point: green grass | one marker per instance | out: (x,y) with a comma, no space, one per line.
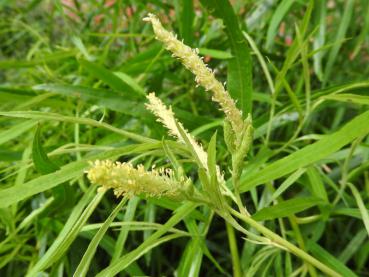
(73,82)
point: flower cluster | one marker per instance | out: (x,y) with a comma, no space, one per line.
(127,180)
(124,179)
(203,75)
(166,117)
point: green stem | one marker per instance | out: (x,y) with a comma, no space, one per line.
(236,184)
(308,219)
(301,243)
(286,244)
(234,251)
(239,203)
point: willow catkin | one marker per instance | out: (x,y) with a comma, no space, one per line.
(166,117)
(204,76)
(127,180)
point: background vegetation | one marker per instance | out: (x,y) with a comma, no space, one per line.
(74,75)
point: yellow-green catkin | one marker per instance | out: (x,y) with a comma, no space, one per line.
(127,180)
(166,117)
(204,76)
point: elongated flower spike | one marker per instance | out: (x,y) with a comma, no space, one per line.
(124,179)
(203,75)
(166,117)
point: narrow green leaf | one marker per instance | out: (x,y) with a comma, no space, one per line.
(286,208)
(186,18)
(364,31)
(150,242)
(351,212)
(103,98)
(71,119)
(212,157)
(325,257)
(276,122)
(9,156)
(131,82)
(84,264)
(192,256)
(17,193)
(40,159)
(294,50)
(319,150)
(72,227)
(316,183)
(16,130)
(54,57)
(107,77)
(278,16)
(72,170)
(77,41)
(191,259)
(353,246)
(344,23)
(142,61)
(216,54)
(319,38)
(348,98)
(261,61)
(190,146)
(122,104)
(123,234)
(362,208)
(213,191)
(287,183)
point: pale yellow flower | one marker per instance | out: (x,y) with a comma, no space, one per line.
(203,75)
(124,179)
(166,117)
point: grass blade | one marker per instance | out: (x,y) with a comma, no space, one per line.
(70,171)
(261,61)
(71,119)
(287,208)
(278,16)
(287,183)
(348,98)
(69,232)
(16,130)
(341,33)
(84,265)
(362,208)
(324,256)
(128,216)
(319,39)
(150,242)
(55,57)
(329,144)
(185,20)
(354,246)
(40,159)
(108,77)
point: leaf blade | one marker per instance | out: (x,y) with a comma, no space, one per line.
(329,144)
(286,208)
